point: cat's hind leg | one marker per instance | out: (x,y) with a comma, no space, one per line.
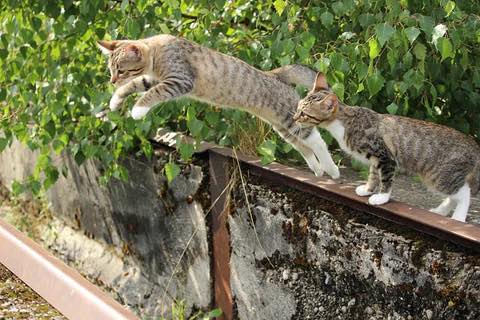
(445,207)
(462,198)
(386,171)
(316,143)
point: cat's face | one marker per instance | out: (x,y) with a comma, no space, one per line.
(126,60)
(318,106)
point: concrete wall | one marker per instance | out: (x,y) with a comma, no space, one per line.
(293,256)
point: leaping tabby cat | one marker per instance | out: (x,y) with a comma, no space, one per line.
(167,67)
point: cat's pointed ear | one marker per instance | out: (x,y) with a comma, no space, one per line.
(331,101)
(320,83)
(133,52)
(107,47)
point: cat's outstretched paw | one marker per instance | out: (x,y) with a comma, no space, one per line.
(379,198)
(139,112)
(363,191)
(115,102)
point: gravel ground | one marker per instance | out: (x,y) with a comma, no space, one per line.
(18,301)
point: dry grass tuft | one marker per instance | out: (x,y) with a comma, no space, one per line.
(250,135)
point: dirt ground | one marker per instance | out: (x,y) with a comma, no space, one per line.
(18,301)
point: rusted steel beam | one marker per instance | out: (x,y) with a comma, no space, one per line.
(219,176)
(467,235)
(64,288)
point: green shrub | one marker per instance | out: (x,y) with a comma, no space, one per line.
(408,57)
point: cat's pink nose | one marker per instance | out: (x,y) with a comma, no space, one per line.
(113,79)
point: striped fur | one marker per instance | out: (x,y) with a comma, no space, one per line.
(167,67)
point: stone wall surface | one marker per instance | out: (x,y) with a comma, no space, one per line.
(293,256)
(310,259)
(128,236)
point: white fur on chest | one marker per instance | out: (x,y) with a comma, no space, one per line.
(337,130)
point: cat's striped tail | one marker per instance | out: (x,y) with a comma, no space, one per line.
(295,74)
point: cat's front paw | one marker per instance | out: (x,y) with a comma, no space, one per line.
(318,172)
(334,173)
(363,191)
(379,198)
(115,102)
(138,112)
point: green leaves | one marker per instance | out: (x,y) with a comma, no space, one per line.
(213,314)
(171,171)
(53,77)
(384,32)
(327,19)
(374,48)
(446,48)
(195,126)
(375,83)
(426,24)
(392,108)
(366,19)
(339,90)
(449,8)
(338,8)
(133,28)
(412,33)
(267,151)
(279,6)
(420,51)
(185,149)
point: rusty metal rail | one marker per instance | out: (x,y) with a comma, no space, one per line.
(64,288)
(464,234)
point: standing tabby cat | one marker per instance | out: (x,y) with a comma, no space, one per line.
(167,67)
(446,160)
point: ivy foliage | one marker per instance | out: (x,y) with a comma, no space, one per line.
(406,57)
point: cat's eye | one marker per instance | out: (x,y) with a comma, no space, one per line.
(120,72)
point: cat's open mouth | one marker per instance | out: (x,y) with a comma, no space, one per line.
(306,119)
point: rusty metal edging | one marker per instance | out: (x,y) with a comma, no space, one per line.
(467,235)
(64,288)
(219,172)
